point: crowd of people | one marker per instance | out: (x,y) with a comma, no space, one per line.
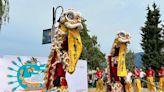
(137,76)
(133,82)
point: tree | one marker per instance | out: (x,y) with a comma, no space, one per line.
(130,60)
(162,51)
(152,39)
(91,49)
(4,10)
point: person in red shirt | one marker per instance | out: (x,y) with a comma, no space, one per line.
(161,79)
(136,73)
(99,82)
(98,73)
(150,74)
(137,81)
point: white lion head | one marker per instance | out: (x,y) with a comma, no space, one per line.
(123,37)
(71,19)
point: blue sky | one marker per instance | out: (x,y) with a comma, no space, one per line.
(23,34)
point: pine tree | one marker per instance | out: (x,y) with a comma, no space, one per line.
(162,42)
(91,51)
(152,39)
(130,60)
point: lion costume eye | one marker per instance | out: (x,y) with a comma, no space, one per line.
(122,34)
(70,16)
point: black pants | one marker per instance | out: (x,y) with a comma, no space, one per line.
(123,83)
(57,82)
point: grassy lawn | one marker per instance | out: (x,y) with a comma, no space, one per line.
(94,89)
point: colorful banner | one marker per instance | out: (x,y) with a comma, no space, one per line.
(21,73)
(26,73)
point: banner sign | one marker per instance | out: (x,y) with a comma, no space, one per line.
(26,73)
(46,36)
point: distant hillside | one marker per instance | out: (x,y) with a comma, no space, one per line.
(138,61)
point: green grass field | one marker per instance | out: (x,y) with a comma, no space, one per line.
(104,90)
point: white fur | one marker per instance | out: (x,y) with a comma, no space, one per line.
(72,26)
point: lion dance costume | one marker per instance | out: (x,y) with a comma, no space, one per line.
(65,51)
(116,61)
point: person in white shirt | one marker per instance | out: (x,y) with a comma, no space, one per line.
(142,76)
(128,82)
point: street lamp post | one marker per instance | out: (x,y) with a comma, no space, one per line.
(48,33)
